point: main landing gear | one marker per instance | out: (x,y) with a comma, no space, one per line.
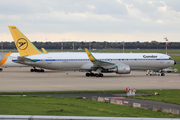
(36,70)
(94,74)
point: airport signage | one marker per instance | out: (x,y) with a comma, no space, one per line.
(130,92)
(134,90)
(128,89)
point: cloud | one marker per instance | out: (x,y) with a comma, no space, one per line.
(162,8)
(91,7)
(110,17)
(159,21)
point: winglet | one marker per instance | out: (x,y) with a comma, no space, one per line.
(23,45)
(91,57)
(44,50)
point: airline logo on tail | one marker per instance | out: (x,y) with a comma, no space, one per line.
(22,44)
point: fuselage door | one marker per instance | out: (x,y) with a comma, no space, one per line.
(49,60)
(161,59)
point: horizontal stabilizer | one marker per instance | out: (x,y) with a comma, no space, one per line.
(23,60)
(44,50)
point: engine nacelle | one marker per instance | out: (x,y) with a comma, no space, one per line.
(122,69)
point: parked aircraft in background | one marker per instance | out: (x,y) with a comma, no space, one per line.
(120,63)
(6,59)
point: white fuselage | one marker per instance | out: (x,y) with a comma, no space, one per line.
(75,60)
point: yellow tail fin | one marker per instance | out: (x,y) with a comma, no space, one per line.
(23,45)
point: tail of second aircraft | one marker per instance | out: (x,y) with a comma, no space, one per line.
(24,46)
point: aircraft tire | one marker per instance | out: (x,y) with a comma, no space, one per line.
(162,74)
(32,70)
(87,74)
(42,70)
(92,74)
(97,75)
(100,75)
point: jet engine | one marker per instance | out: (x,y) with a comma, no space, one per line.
(122,69)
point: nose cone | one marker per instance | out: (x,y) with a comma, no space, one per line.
(174,62)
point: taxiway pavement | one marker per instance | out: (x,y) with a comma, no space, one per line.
(20,79)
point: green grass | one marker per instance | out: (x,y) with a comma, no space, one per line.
(175,94)
(83,107)
(167,96)
(71,107)
(62,92)
(175,56)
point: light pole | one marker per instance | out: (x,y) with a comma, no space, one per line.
(89,45)
(73,45)
(2,46)
(123,46)
(62,46)
(166,44)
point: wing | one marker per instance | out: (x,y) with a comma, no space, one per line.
(98,63)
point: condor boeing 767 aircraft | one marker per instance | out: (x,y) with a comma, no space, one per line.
(120,63)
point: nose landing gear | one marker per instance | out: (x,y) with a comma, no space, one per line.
(153,72)
(162,74)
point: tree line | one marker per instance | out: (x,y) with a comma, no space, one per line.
(98,45)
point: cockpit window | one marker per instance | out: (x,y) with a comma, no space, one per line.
(170,58)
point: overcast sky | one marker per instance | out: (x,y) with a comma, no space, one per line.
(92,20)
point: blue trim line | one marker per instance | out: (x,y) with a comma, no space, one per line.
(97,59)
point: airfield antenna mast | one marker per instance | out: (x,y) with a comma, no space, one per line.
(90,46)
(123,46)
(166,44)
(2,46)
(62,45)
(73,45)
(46,39)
